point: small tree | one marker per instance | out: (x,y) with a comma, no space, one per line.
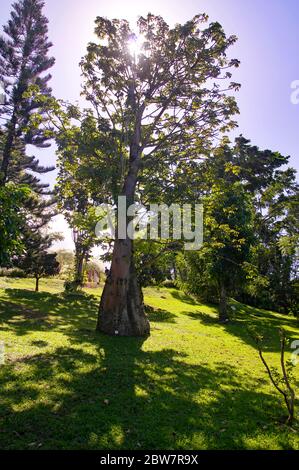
(37,261)
(281,381)
(66,262)
(218,267)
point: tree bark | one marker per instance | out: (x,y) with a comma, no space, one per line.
(223,313)
(79,260)
(36,284)
(121,311)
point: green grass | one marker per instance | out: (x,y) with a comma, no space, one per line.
(193,384)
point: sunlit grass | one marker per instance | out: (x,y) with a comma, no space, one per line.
(193,384)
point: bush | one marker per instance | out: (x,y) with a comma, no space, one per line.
(12,272)
(70,286)
(171,284)
(294,310)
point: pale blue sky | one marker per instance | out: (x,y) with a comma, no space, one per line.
(268,48)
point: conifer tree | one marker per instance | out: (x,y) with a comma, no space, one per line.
(37,261)
(24,62)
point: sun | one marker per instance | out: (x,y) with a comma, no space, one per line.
(135,44)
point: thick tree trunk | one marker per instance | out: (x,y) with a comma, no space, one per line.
(223,313)
(121,311)
(36,284)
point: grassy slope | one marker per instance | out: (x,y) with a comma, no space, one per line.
(192,385)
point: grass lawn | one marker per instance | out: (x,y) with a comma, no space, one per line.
(193,384)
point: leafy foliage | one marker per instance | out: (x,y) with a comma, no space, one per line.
(37,261)
(11,221)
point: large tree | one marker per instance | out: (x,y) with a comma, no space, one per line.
(274,192)
(165,101)
(24,62)
(264,276)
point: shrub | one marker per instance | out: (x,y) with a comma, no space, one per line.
(170,284)
(12,272)
(70,286)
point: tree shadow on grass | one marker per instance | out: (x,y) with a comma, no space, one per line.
(245,320)
(39,344)
(122,396)
(203,317)
(159,315)
(112,393)
(28,311)
(187,299)
(264,316)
